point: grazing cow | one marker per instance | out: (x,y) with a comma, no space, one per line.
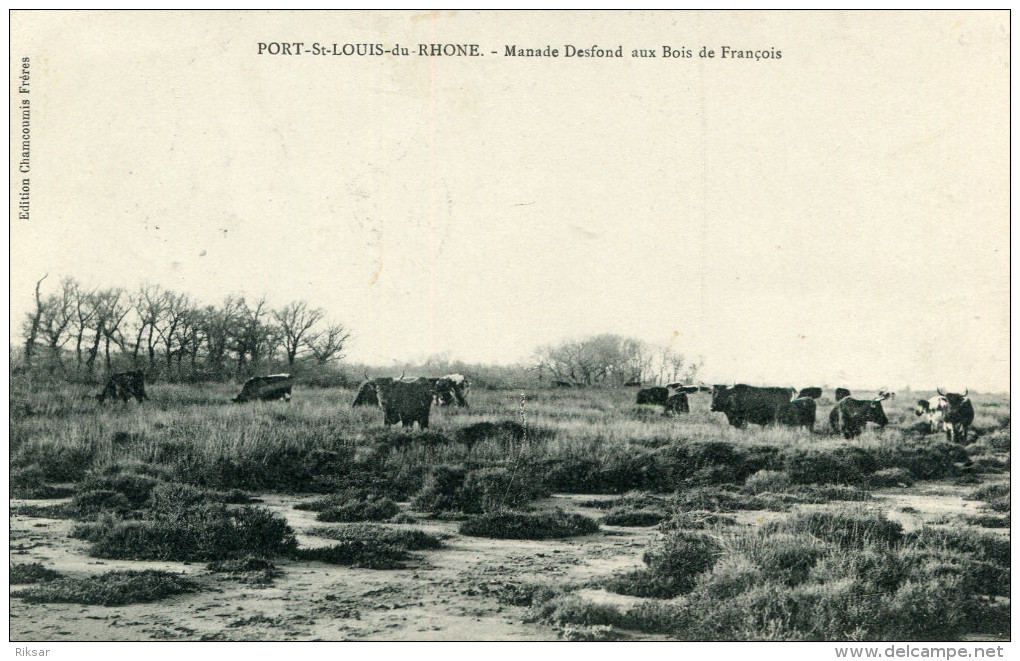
(842,393)
(933,411)
(677,403)
(124,386)
(562,384)
(406,402)
(799,412)
(656,395)
(850,416)
(959,414)
(742,403)
(265,388)
(813,393)
(633,383)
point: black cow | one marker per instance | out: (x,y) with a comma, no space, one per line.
(842,393)
(265,388)
(562,384)
(813,393)
(366,395)
(656,395)
(850,416)
(406,402)
(959,414)
(799,412)
(743,404)
(677,403)
(124,386)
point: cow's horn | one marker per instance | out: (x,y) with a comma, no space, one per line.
(367,377)
(939,391)
(965,391)
(402,375)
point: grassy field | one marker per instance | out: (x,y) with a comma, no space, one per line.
(180,479)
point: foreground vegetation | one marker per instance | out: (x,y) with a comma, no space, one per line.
(177,479)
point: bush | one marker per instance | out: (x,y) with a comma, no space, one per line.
(114,588)
(205,533)
(365,510)
(980,545)
(31,573)
(840,465)
(519,525)
(676,560)
(450,488)
(844,529)
(891,477)
(135,488)
(696,520)
(989,492)
(410,540)
(357,553)
(767,481)
(249,570)
(30,482)
(633,518)
(783,557)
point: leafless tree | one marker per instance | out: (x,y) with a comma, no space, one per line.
(329,344)
(296,321)
(31,324)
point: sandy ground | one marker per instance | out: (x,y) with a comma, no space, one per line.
(452,596)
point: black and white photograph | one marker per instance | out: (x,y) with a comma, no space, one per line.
(683,327)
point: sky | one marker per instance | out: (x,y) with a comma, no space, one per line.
(836,216)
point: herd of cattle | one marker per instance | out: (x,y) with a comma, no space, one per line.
(409,401)
(951,413)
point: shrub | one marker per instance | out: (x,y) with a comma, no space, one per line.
(981,545)
(997,504)
(495,489)
(989,492)
(783,557)
(891,477)
(678,558)
(999,440)
(987,521)
(31,573)
(840,465)
(520,525)
(696,520)
(30,482)
(633,518)
(357,553)
(844,529)
(365,510)
(208,532)
(114,588)
(441,491)
(249,570)
(135,488)
(410,540)
(767,481)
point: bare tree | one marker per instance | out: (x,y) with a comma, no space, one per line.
(57,316)
(149,305)
(31,324)
(329,344)
(295,322)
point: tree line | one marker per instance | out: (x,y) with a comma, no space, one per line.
(79,329)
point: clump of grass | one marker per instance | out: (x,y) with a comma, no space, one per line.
(357,553)
(783,557)
(982,546)
(767,481)
(989,492)
(363,510)
(633,518)
(409,540)
(591,634)
(987,521)
(456,489)
(114,588)
(522,525)
(891,477)
(847,529)
(35,572)
(696,520)
(997,504)
(249,570)
(674,564)
(180,524)
(29,482)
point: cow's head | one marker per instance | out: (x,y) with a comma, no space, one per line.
(875,412)
(923,406)
(721,395)
(953,399)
